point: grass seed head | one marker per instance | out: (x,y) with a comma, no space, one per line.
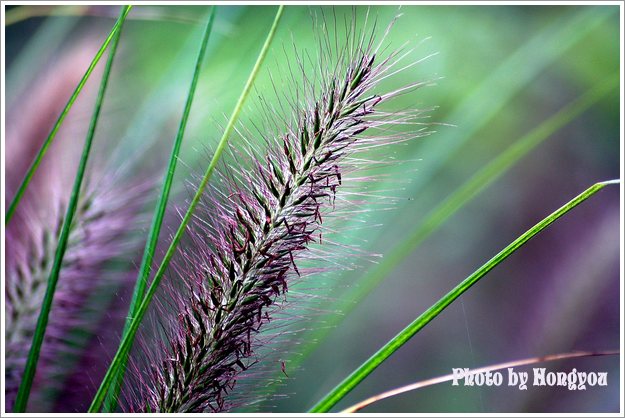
(257,225)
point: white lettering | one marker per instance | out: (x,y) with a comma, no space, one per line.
(457,375)
(603,379)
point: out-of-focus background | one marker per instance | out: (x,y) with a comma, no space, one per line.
(500,71)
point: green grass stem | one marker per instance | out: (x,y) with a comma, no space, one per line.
(126,342)
(334,396)
(23,393)
(159,213)
(44,148)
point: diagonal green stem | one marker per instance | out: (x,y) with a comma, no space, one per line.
(33,356)
(44,148)
(407,333)
(127,340)
(159,213)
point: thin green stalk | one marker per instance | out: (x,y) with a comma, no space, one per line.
(407,333)
(126,342)
(33,356)
(159,213)
(35,164)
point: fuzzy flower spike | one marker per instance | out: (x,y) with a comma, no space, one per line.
(246,250)
(99,235)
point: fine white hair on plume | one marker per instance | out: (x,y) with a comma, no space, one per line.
(260,228)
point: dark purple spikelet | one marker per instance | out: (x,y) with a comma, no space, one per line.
(245,248)
(99,235)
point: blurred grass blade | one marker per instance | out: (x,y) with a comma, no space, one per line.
(526,63)
(22,13)
(475,185)
(449,377)
(39,49)
(159,213)
(126,342)
(437,217)
(165,98)
(33,167)
(477,108)
(407,333)
(33,356)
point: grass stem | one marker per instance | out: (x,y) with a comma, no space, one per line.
(354,379)
(159,213)
(44,148)
(23,393)
(127,340)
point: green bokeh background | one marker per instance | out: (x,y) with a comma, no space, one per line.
(500,71)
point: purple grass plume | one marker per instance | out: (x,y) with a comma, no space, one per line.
(102,240)
(99,236)
(256,225)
